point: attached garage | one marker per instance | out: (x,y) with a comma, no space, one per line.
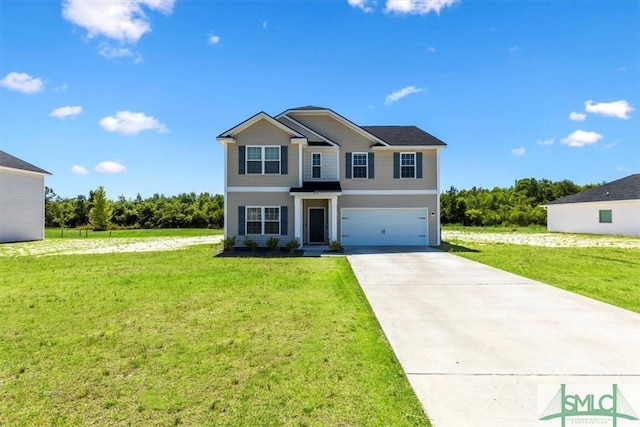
(384,226)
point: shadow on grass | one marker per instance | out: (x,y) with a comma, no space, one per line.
(259,253)
(450,247)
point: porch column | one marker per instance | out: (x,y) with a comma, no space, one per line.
(333,223)
(297,218)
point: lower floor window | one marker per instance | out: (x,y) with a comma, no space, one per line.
(263,220)
(605,216)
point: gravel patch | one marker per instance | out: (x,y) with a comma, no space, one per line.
(553,240)
(102,246)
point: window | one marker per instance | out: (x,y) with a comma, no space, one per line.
(316,165)
(263,220)
(359,163)
(263,160)
(605,217)
(407,165)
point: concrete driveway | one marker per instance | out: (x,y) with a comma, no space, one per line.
(483,347)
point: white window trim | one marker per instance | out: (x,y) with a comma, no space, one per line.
(366,165)
(316,166)
(262,220)
(415,166)
(262,159)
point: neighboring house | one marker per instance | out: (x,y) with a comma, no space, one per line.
(311,174)
(21,200)
(612,208)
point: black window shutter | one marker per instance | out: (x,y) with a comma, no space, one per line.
(241,158)
(418,165)
(347,165)
(241,220)
(284,160)
(370,164)
(396,165)
(283,221)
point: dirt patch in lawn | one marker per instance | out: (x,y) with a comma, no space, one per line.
(541,239)
(103,246)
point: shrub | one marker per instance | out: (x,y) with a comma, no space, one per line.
(229,243)
(250,243)
(335,246)
(293,245)
(273,243)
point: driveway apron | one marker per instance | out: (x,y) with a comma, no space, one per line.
(481,346)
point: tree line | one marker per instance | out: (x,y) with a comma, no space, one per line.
(96,211)
(518,205)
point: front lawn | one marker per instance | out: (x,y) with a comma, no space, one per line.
(607,274)
(185,338)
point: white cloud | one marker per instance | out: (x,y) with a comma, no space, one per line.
(577,117)
(130,123)
(22,82)
(549,141)
(431,49)
(265,24)
(581,138)
(62,88)
(68,111)
(418,7)
(363,5)
(619,109)
(519,151)
(624,169)
(122,20)
(610,145)
(79,170)
(399,94)
(213,39)
(113,52)
(110,167)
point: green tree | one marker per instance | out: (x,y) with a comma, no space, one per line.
(100,213)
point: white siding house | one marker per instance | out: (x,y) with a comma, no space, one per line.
(612,208)
(21,200)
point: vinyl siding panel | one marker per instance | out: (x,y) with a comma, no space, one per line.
(21,206)
(401,201)
(262,133)
(584,218)
(234,200)
(329,164)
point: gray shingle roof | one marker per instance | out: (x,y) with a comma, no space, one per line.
(309,107)
(622,189)
(404,135)
(9,161)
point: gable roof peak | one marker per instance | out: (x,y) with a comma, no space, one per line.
(12,162)
(308,107)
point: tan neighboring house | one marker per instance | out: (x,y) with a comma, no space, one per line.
(311,174)
(21,200)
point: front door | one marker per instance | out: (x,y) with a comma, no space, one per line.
(316,225)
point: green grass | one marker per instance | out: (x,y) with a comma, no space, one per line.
(185,338)
(70,233)
(607,274)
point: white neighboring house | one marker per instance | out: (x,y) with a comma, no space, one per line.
(21,200)
(612,208)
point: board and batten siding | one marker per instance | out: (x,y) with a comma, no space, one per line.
(329,163)
(585,218)
(21,206)
(395,201)
(258,199)
(262,133)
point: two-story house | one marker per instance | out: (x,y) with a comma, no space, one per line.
(311,174)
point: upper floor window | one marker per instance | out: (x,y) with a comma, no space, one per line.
(407,165)
(263,160)
(316,165)
(359,165)
(605,217)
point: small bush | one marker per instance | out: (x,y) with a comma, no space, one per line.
(229,243)
(293,245)
(250,243)
(335,246)
(273,243)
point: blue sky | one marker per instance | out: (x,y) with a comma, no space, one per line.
(131,94)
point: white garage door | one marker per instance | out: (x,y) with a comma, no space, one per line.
(384,227)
